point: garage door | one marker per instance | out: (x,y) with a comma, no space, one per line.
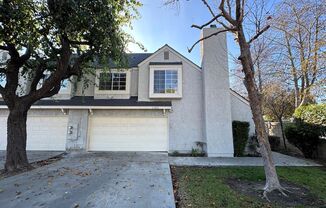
(43,133)
(128,134)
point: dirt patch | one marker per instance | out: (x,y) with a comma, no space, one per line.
(297,195)
(34,165)
(175,186)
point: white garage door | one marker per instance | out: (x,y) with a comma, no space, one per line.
(128,134)
(43,133)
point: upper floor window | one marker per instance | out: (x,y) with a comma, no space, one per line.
(112,81)
(165,81)
(115,82)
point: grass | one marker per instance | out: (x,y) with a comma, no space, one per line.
(205,187)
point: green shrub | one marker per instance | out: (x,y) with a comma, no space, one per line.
(275,142)
(304,136)
(240,136)
(313,114)
(196,152)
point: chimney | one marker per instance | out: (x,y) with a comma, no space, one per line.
(217,101)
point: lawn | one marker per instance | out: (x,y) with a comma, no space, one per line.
(210,187)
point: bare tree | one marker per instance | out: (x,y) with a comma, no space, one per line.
(302,28)
(231,16)
(278,104)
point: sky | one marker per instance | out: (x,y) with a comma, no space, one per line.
(159,25)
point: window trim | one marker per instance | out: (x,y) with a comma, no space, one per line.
(112,92)
(153,68)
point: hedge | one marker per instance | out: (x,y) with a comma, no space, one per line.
(313,114)
(304,136)
(240,137)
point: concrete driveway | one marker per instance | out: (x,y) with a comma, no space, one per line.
(109,179)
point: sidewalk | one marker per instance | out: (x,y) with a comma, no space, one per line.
(279,159)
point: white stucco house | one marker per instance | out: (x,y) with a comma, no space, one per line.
(161,102)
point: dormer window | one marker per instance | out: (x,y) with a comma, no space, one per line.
(165,81)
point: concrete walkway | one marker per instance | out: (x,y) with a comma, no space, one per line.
(279,159)
(110,179)
(33,156)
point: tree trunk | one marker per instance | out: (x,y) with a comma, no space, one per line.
(16,158)
(272,181)
(282,131)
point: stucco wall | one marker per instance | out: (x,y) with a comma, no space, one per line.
(134,82)
(241,112)
(77,130)
(186,119)
(217,104)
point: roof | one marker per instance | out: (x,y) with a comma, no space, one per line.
(176,52)
(133,59)
(239,96)
(90,101)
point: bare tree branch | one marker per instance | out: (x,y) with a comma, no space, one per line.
(227,15)
(209,22)
(204,38)
(216,19)
(259,33)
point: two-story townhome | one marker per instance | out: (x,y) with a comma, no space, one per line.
(161,101)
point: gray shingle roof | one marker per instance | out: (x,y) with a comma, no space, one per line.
(133,59)
(90,101)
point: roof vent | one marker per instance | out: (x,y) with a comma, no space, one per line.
(212,26)
(166,55)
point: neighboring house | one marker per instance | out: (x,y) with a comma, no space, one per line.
(161,102)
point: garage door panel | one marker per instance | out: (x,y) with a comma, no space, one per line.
(128,134)
(43,133)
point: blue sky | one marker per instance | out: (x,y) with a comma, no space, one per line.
(159,25)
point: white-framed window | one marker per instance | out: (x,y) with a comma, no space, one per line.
(112,81)
(165,81)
